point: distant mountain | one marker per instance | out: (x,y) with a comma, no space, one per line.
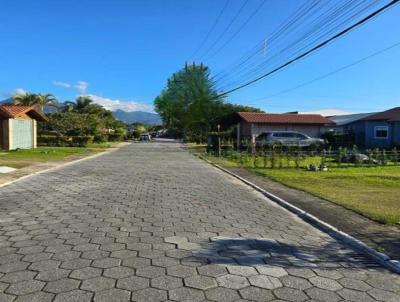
(7,101)
(137,117)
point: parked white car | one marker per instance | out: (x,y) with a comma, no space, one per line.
(287,139)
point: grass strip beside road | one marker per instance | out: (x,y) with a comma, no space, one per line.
(23,158)
(371,191)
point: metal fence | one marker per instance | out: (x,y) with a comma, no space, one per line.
(275,157)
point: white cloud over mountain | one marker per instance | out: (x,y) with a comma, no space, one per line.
(115,104)
(328,112)
(81,86)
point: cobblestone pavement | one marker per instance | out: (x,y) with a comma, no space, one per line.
(150,222)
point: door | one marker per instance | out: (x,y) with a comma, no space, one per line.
(22,134)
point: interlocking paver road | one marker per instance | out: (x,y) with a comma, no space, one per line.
(150,222)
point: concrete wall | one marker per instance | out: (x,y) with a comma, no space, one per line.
(7,134)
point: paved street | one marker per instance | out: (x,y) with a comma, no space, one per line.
(150,222)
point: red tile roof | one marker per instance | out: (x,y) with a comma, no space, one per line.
(13,111)
(286,118)
(391,115)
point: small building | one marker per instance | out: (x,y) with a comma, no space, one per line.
(372,130)
(18,126)
(252,124)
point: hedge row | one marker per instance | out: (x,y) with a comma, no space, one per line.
(64,141)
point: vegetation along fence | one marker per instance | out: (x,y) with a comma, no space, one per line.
(276,157)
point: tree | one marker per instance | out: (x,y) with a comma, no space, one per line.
(84,118)
(186,104)
(36,100)
(189,105)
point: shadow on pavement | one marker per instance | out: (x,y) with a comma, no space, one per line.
(254,252)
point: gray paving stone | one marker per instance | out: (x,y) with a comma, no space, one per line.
(386,296)
(135,229)
(264,281)
(74,296)
(18,276)
(322,295)
(290,294)
(52,275)
(222,294)
(62,285)
(232,281)
(25,287)
(354,295)
(6,298)
(118,272)
(149,295)
(36,297)
(166,282)
(325,283)
(244,271)
(295,282)
(185,294)
(98,284)
(133,283)
(86,273)
(257,294)
(200,282)
(114,294)
(181,271)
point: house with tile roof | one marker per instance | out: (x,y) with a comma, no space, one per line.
(371,130)
(251,124)
(18,126)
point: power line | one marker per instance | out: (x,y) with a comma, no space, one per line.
(226,28)
(325,20)
(332,72)
(304,9)
(315,48)
(258,8)
(211,29)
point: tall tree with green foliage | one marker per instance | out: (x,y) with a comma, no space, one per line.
(37,100)
(190,106)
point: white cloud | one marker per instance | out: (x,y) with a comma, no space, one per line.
(19,91)
(14,92)
(114,104)
(81,86)
(62,84)
(328,112)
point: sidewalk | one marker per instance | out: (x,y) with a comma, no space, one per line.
(44,166)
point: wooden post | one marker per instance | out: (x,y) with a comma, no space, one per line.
(219,141)
(238,136)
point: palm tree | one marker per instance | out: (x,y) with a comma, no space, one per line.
(37,100)
(82,102)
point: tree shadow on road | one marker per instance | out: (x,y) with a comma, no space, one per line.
(256,252)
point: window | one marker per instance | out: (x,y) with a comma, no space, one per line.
(381,132)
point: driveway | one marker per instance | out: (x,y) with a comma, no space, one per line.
(150,222)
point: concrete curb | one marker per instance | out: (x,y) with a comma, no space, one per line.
(381,258)
(62,165)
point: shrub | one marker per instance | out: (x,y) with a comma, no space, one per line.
(64,141)
(53,141)
(115,137)
(81,141)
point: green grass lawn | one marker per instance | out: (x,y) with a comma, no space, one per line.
(22,158)
(371,191)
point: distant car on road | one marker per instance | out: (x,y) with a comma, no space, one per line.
(145,137)
(287,139)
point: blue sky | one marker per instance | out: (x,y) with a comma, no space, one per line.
(121,52)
